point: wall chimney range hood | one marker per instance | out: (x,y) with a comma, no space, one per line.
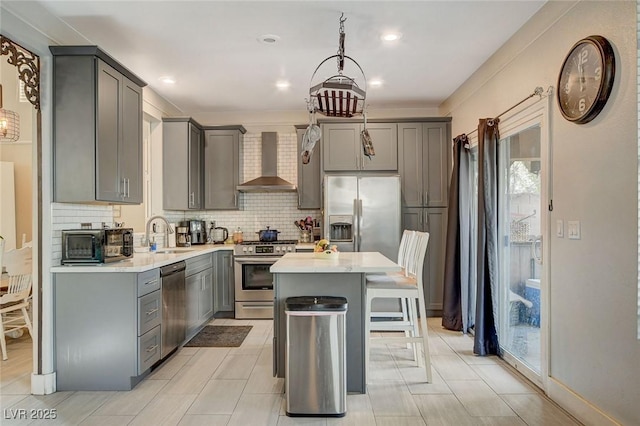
(269,181)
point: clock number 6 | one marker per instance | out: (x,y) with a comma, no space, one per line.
(582,105)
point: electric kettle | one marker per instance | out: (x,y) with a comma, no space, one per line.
(220,235)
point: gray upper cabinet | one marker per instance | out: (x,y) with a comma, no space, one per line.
(424,155)
(97,128)
(342,147)
(182,166)
(222,167)
(309,177)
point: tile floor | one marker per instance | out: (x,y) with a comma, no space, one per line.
(234,386)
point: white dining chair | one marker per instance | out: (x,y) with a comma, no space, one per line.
(15,302)
(408,286)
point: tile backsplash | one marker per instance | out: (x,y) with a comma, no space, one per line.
(278,210)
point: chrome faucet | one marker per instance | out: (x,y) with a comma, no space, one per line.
(167,230)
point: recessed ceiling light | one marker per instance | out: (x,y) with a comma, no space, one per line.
(268,38)
(282,84)
(391,36)
(375,83)
(168,80)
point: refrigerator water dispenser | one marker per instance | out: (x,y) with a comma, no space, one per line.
(341,228)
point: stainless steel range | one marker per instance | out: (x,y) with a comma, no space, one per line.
(253,281)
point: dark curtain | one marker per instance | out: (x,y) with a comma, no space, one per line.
(486,337)
(456,269)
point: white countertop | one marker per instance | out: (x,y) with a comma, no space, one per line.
(145,261)
(360,262)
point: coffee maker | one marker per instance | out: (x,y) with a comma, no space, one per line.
(183,236)
(197,230)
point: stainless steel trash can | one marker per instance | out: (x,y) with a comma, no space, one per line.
(315,372)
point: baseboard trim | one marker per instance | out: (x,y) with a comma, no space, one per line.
(43,384)
(577,406)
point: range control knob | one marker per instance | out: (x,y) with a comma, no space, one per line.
(250,249)
(244,249)
(277,249)
(289,248)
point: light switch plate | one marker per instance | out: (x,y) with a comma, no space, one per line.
(573,229)
(560,228)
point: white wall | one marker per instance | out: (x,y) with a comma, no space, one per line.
(594,350)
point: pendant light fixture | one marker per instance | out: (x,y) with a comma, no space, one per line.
(9,123)
(338,95)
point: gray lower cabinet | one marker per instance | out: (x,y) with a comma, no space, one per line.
(97,128)
(424,156)
(433,221)
(182,164)
(199,292)
(223,283)
(309,176)
(222,167)
(106,329)
(342,147)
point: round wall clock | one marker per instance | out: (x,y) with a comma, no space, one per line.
(586,79)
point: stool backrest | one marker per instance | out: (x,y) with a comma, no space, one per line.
(403,250)
(416,254)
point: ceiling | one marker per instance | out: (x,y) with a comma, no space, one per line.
(212,48)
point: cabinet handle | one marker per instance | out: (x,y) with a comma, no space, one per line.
(235,199)
(152,348)
(128,188)
(151,312)
(192,198)
(426,197)
(150,282)
(123,194)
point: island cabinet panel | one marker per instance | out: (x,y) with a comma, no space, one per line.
(107,329)
(433,221)
(199,293)
(309,177)
(342,147)
(182,164)
(348,285)
(221,168)
(97,127)
(224,294)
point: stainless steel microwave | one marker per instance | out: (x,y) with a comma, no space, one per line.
(89,246)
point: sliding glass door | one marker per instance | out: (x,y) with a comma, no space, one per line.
(522,235)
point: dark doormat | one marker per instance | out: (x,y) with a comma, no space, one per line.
(220,336)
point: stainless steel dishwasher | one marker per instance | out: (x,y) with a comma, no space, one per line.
(174,324)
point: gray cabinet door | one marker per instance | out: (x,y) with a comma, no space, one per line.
(342,147)
(436,149)
(221,169)
(196,149)
(433,221)
(192,287)
(109,187)
(309,178)
(182,164)
(130,148)
(410,163)
(384,137)
(223,283)
(205,299)
(424,163)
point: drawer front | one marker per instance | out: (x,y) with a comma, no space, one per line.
(198,264)
(148,349)
(148,281)
(149,311)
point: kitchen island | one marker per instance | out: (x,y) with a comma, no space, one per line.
(302,274)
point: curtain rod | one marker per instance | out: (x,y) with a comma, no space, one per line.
(537,92)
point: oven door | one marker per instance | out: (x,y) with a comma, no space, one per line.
(253,281)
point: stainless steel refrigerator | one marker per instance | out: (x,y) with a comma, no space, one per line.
(362,213)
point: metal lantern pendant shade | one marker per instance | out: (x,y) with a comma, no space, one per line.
(9,123)
(338,95)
